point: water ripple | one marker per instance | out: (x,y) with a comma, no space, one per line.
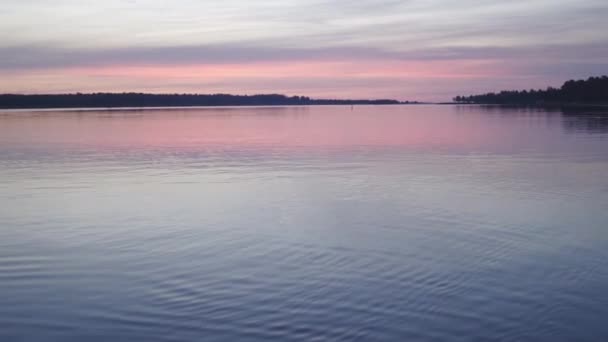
(325,226)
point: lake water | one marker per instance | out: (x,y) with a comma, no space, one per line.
(370,223)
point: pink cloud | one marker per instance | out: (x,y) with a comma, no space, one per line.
(342,78)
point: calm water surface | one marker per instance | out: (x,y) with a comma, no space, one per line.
(396,223)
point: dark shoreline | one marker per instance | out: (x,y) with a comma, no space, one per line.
(530,105)
(593,90)
(143,100)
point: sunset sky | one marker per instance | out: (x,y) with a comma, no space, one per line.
(408,49)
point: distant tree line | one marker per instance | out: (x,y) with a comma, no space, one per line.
(591,90)
(103,100)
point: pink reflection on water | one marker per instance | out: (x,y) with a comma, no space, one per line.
(288,127)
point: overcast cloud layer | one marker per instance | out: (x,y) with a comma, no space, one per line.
(426,50)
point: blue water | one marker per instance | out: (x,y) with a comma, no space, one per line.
(396,223)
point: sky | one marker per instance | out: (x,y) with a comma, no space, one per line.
(427,50)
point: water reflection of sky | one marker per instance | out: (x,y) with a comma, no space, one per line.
(306,223)
(464,128)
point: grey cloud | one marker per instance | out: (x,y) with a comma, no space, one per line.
(31,57)
(44,57)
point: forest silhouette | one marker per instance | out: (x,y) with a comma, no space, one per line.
(103,100)
(593,90)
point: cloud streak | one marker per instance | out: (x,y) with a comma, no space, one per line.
(27,57)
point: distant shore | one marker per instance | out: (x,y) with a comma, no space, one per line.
(538,105)
(592,91)
(142,100)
